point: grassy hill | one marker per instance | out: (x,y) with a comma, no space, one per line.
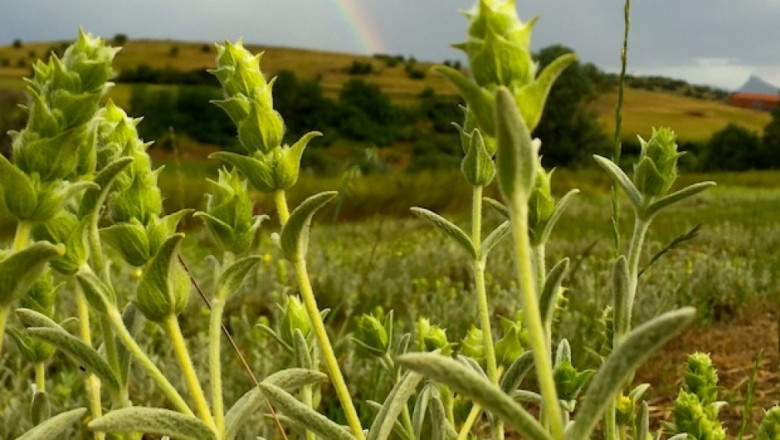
(693,119)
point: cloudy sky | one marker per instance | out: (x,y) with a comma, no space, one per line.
(713,42)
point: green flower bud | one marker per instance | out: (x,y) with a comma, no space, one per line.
(238,71)
(569,381)
(117,136)
(262,129)
(269,172)
(59,141)
(432,337)
(65,228)
(139,198)
(770,425)
(228,214)
(294,317)
(130,240)
(541,203)
(509,348)
(372,333)
(164,288)
(499,45)
(656,170)
(477,166)
(693,418)
(701,378)
(473,345)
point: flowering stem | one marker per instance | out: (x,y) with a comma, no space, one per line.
(536,334)
(40,376)
(329,357)
(22,235)
(3,319)
(91,383)
(215,365)
(171,325)
(143,360)
(281,206)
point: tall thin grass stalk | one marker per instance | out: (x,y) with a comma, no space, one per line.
(619,120)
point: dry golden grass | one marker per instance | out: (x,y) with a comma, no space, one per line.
(693,119)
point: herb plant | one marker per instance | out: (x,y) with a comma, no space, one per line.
(80,182)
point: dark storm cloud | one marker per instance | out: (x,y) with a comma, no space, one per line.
(717,42)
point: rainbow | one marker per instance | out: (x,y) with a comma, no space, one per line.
(361,26)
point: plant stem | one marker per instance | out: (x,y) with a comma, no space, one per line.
(329,357)
(536,334)
(22,235)
(610,422)
(3,320)
(634,252)
(281,206)
(619,121)
(40,377)
(171,325)
(465,430)
(215,364)
(92,383)
(132,346)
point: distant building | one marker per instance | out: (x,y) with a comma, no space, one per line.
(757,101)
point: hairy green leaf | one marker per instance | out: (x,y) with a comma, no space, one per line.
(468,382)
(312,420)
(288,380)
(449,228)
(230,280)
(20,270)
(394,404)
(517,371)
(295,233)
(635,348)
(54,428)
(94,198)
(674,197)
(495,237)
(516,153)
(551,289)
(79,351)
(153,421)
(556,214)
(634,196)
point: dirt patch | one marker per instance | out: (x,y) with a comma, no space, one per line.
(733,343)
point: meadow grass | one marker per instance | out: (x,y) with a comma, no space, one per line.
(694,119)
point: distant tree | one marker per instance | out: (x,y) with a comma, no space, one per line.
(173,52)
(120,39)
(12,117)
(302,105)
(360,68)
(17,44)
(569,132)
(733,148)
(771,140)
(367,114)
(439,111)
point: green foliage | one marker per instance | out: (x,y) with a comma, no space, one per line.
(771,140)
(734,148)
(569,131)
(367,114)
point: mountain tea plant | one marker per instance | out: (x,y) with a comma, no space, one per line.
(83,191)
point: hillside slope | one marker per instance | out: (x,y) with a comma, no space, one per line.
(693,119)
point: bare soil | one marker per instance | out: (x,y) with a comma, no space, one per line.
(733,342)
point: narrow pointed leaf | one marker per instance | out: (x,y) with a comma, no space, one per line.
(99,294)
(295,233)
(134,324)
(531,98)
(312,420)
(516,155)
(20,270)
(633,194)
(637,346)
(449,228)
(40,409)
(394,404)
(31,318)
(420,409)
(495,237)
(258,173)
(230,280)
(55,427)
(95,197)
(288,380)
(287,172)
(622,297)
(556,214)
(496,206)
(675,197)
(478,99)
(79,351)
(441,427)
(552,288)
(301,350)
(153,421)
(468,382)
(517,371)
